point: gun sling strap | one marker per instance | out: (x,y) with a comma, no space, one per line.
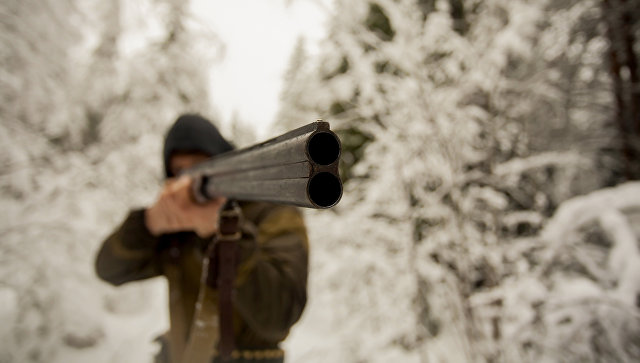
(212,328)
(229,233)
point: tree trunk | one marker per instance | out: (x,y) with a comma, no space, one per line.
(621,17)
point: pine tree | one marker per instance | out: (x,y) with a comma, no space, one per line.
(293,112)
(459,123)
(83,124)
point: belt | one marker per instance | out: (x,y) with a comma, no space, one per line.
(254,355)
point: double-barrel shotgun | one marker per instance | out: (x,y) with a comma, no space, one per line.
(299,168)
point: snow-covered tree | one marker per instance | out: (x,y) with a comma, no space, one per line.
(463,128)
(295,111)
(83,116)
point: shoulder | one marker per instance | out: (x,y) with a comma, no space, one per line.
(259,212)
(273,220)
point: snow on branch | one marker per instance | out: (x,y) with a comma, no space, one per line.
(624,258)
(606,207)
(578,211)
(517,166)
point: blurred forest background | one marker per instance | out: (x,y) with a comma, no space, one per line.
(490,147)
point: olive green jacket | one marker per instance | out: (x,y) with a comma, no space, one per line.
(270,292)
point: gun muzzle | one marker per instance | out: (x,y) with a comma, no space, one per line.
(299,167)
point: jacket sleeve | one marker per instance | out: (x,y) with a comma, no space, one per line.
(271,287)
(129,253)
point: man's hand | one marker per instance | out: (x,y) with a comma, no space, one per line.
(175,211)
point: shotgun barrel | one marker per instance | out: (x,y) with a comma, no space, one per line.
(299,168)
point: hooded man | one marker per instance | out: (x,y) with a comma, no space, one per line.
(170,237)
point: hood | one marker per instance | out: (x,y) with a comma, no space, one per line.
(193,133)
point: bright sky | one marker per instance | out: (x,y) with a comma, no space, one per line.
(259,36)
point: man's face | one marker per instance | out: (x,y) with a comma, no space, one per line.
(184,160)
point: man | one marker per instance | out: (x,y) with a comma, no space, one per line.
(170,237)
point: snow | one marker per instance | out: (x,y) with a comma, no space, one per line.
(624,258)
(578,211)
(468,232)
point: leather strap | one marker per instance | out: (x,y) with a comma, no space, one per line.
(179,330)
(212,327)
(229,234)
(206,325)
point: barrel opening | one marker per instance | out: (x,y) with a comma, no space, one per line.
(325,190)
(324,148)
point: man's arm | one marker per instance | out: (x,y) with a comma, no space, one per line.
(129,253)
(271,287)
